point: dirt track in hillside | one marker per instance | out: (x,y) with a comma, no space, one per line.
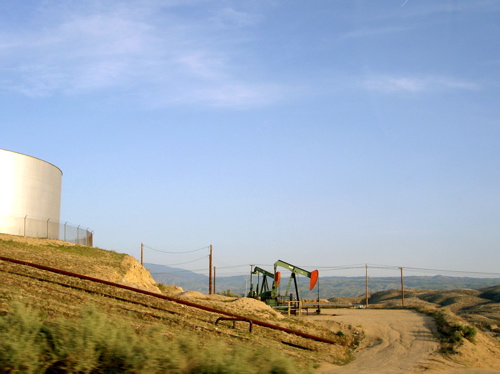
(396,342)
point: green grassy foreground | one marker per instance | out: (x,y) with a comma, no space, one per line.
(96,343)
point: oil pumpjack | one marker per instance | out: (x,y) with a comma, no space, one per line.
(270,295)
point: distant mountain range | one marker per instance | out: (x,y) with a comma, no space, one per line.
(328,286)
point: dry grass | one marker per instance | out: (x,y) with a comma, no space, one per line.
(66,256)
(481,308)
(60,296)
(89,261)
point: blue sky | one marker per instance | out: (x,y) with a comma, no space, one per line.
(322,133)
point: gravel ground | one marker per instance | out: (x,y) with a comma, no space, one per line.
(402,341)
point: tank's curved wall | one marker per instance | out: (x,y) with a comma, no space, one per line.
(30,188)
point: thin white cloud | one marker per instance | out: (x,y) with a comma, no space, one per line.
(423,9)
(233,17)
(412,84)
(241,95)
(129,48)
(201,64)
(373,31)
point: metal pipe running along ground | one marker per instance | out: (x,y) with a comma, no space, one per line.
(159,296)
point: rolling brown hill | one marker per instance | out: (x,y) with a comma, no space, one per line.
(478,307)
(57,295)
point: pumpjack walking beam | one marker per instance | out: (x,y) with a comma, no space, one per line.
(313,275)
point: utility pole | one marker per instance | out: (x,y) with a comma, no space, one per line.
(402,288)
(142,254)
(215,277)
(366,287)
(210,271)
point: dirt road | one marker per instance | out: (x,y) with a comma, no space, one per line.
(397,341)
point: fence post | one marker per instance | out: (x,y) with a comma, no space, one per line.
(65,230)
(402,288)
(78,234)
(26,216)
(48,228)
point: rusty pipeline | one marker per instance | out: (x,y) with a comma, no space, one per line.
(164,297)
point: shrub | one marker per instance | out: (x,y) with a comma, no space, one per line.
(95,343)
(91,343)
(229,293)
(168,289)
(451,334)
(469,333)
(21,342)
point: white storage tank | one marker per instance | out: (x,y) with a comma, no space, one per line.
(30,196)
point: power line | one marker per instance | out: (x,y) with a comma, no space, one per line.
(343,267)
(339,267)
(194,250)
(451,271)
(392,267)
(188,262)
(204,270)
(433,270)
(231,266)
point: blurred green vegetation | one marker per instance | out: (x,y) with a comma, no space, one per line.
(97,343)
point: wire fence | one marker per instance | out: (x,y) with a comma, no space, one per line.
(46,229)
(343,280)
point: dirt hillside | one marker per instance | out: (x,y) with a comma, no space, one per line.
(56,296)
(480,308)
(402,341)
(93,262)
(388,341)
